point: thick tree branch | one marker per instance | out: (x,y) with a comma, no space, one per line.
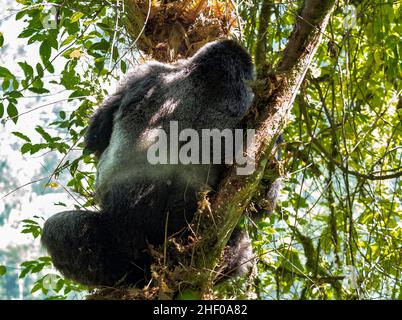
(236,191)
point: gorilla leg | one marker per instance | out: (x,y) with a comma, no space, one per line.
(84,248)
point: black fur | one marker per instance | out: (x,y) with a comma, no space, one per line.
(137,198)
(101,126)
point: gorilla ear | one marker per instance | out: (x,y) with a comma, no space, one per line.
(100,127)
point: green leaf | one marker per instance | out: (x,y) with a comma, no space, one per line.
(27,33)
(5,73)
(123,66)
(21,136)
(1,39)
(24,272)
(12,112)
(20,14)
(76,16)
(68,40)
(44,134)
(37,147)
(59,285)
(3,270)
(29,221)
(15,85)
(53,41)
(45,51)
(1,110)
(49,67)
(6,84)
(46,259)
(36,38)
(28,70)
(36,287)
(38,90)
(26,148)
(102,45)
(15,94)
(38,268)
(37,83)
(39,70)
(28,263)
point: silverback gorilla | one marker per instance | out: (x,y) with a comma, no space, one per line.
(109,247)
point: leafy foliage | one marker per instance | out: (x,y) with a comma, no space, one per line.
(337,233)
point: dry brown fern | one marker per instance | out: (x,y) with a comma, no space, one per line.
(176,29)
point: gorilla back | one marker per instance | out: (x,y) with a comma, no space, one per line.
(137,198)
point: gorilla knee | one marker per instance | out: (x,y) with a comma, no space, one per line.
(72,240)
(85,247)
(67,228)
